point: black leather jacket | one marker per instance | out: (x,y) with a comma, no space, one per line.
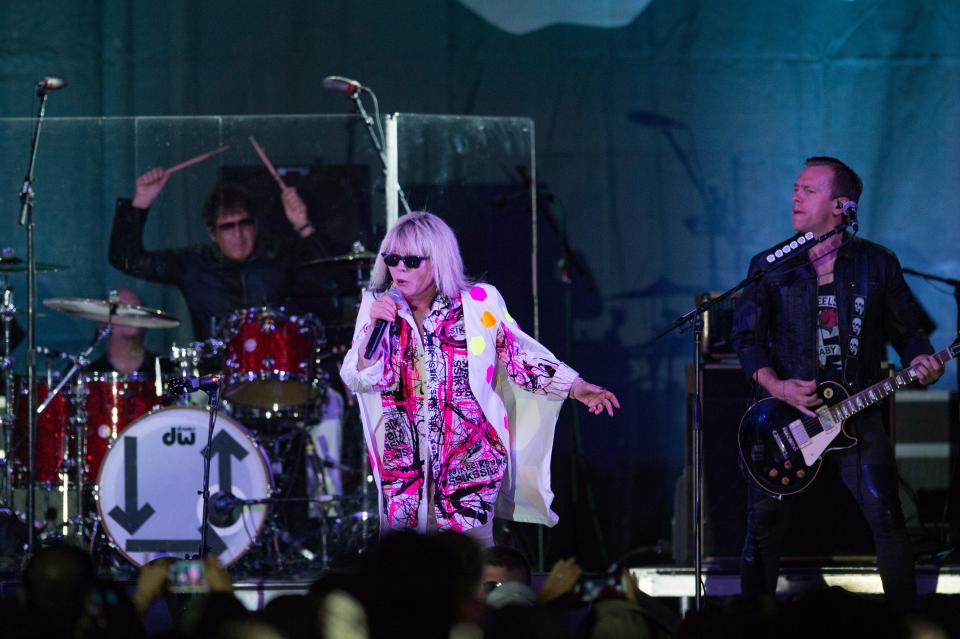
(775,322)
(213,286)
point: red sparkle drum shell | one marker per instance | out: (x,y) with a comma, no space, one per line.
(52,435)
(113,402)
(270,358)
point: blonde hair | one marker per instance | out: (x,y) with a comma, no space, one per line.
(424,234)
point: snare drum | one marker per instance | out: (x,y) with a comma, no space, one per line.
(271,358)
(113,401)
(53,436)
(150,481)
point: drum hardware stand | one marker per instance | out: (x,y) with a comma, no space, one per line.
(320,473)
(27,195)
(213,405)
(7,312)
(276,533)
(79,362)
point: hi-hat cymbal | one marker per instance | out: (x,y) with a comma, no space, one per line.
(346,258)
(16,265)
(123,315)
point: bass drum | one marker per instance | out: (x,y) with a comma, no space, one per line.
(149,484)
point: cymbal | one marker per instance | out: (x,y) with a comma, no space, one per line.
(16,265)
(346,258)
(124,314)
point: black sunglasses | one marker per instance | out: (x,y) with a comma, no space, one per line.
(410,261)
(230,226)
(490,586)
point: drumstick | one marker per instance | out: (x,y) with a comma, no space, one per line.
(267,163)
(194,160)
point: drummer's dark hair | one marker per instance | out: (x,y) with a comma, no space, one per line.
(227,196)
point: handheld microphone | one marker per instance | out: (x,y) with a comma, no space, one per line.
(381,326)
(50,83)
(190,384)
(341,84)
(850,215)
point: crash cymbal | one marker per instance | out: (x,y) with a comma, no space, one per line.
(124,314)
(16,265)
(346,258)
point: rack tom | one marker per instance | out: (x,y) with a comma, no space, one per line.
(271,358)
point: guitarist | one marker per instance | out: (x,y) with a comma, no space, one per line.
(828,318)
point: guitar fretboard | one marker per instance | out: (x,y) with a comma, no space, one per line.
(873,394)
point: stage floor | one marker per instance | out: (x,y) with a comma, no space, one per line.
(723,579)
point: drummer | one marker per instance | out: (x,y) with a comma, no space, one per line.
(126,353)
(239,269)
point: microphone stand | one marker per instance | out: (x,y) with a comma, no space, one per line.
(694,317)
(26,219)
(377,143)
(213,406)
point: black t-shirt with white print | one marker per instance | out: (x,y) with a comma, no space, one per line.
(829,357)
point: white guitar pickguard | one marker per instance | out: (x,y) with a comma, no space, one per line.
(814,446)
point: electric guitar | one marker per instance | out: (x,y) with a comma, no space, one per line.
(782,448)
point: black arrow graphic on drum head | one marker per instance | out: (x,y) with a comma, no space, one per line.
(131,517)
(224,446)
(214,542)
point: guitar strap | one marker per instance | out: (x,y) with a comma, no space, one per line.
(857,315)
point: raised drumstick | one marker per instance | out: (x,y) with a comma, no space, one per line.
(194,160)
(267,163)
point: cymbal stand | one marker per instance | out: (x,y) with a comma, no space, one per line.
(362,277)
(318,468)
(7,312)
(79,362)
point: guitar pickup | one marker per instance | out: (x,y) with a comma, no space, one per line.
(779,440)
(799,433)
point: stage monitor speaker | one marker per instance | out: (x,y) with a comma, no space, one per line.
(826,522)
(926,460)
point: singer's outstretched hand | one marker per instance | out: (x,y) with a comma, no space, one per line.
(149,186)
(596,398)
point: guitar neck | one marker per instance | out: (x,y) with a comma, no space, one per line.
(882,389)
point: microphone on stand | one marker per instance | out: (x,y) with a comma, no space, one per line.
(341,84)
(225,509)
(178,386)
(381,325)
(50,83)
(850,215)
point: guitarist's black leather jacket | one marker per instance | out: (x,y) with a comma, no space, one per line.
(775,322)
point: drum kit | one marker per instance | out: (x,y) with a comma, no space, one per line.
(122,456)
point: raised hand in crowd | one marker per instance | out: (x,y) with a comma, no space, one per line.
(561,580)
